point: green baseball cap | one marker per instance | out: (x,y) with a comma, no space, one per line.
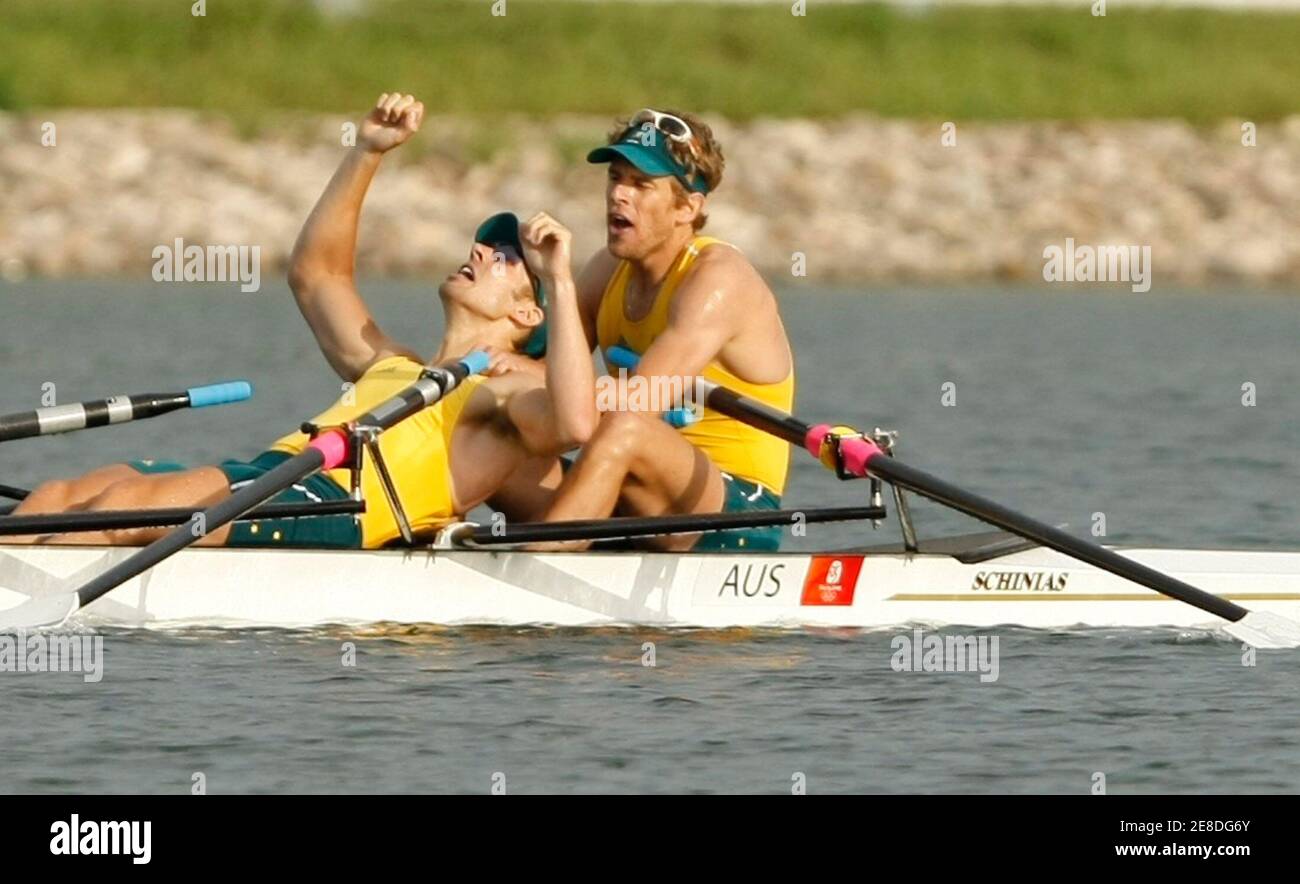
(502,229)
(647,148)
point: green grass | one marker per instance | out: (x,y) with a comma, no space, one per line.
(250,58)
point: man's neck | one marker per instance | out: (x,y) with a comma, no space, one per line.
(462,337)
(649,272)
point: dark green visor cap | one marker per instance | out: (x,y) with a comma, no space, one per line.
(502,229)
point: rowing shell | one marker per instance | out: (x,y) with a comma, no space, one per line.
(976,580)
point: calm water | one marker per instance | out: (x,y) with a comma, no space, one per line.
(1067,404)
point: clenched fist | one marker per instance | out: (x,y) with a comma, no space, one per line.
(393,120)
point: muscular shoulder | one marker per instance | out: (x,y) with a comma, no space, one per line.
(727,261)
(720,281)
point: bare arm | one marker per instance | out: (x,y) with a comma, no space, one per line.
(321,271)
(591,289)
(533,417)
(706,314)
(570,376)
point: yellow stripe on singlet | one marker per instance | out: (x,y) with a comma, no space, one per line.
(416,451)
(734,447)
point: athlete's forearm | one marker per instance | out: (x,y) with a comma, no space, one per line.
(327,244)
(570,377)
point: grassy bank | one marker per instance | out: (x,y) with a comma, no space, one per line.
(247,58)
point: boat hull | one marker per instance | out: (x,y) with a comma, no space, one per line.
(864,589)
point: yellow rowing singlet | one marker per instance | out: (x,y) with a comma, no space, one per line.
(416,451)
(734,447)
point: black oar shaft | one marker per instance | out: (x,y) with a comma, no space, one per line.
(113,520)
(115,410)
(13,493)
(796,432)
(757,414)
(84,415)
(636,526)
(1050,536)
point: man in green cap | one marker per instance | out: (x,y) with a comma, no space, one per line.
(684,305)
(440,463)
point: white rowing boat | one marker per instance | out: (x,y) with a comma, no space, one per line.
(1035,576)
(979,580)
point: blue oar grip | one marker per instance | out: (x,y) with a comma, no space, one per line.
(476,362)
(619,356)
(680,417)
(219,394)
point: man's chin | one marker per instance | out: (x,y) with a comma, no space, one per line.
(455,288)
(620,247)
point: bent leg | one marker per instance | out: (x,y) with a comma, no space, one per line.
(63,495)
(529,490)
(641,466)
(199,488)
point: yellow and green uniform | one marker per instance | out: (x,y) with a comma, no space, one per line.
(754,464)
(416,452)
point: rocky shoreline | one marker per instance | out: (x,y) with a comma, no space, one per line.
(856,199)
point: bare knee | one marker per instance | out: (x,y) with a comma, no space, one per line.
(61,495)
(48,497)
(100,478)
(135,493)
(124,495)
(619,436)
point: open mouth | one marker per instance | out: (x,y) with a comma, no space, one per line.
(619,222)
(466,271)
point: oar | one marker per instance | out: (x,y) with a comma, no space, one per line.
(626,358)
(329,449)
(468,533)
(13,493)
(839,447)
(116,410)
(113,520)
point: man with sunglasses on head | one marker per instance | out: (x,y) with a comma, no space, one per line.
(685,305)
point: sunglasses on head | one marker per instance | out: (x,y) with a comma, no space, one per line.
(674,127)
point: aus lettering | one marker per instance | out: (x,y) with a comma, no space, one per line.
(752,581)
